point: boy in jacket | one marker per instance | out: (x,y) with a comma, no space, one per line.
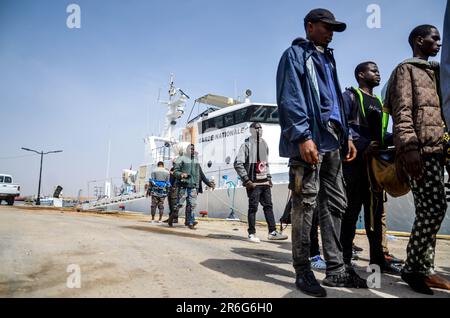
(314,135)
(413,98)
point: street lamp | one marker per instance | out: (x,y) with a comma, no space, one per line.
(89,182)
(38,200)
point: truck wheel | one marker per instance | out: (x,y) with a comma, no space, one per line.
(11,201)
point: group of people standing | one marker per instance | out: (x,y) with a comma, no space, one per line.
(328,135)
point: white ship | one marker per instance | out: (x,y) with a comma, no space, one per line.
(217,134)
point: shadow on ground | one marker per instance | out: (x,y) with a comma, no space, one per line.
(266,256)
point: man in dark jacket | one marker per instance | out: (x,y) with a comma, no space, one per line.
(252,166)
(414,101)
(365,118)
(172,195)
(189,174)
(314,135)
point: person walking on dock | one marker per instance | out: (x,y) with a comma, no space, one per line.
(251,165)
(158,188)
(188,173)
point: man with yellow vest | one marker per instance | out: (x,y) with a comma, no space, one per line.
(367,123)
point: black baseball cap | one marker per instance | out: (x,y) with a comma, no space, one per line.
(325,16)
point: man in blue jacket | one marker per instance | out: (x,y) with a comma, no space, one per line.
(314,135)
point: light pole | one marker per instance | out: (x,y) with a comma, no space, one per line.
(89,182)
(38,200)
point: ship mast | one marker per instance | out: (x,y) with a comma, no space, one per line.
(175,110)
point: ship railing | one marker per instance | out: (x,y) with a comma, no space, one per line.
(105,202)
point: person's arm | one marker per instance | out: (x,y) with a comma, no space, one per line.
(292,108)
(349,104)
(405,137)
(269,176)
(204,179)
(239,164)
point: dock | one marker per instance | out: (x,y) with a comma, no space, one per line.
(124,255)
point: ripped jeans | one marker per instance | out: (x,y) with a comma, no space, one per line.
(321,185)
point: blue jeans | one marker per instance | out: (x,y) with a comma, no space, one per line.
(190,196)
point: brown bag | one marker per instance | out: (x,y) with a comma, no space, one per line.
(385,173)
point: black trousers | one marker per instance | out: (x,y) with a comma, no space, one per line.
(359,195)
(261,194)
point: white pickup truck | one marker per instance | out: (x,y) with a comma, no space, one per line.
(8,190)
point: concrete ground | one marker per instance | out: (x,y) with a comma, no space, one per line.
(123,255)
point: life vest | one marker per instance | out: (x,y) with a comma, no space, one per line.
(384,118)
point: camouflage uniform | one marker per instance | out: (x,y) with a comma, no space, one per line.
(172,199)
(157,202)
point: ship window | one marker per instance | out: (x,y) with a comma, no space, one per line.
(239,115)
(8,180)
(272,116)
(208,125)
(218,122)
(228,160)
(259,114)
(264,114)
(209,164)
(1,178)
(228,119)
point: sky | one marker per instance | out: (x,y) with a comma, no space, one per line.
(76,89)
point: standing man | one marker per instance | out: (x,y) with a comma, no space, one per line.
(314,135)
(158,187)
(188,173)
(365,117)
(413,98)
(172,195)
(252,166)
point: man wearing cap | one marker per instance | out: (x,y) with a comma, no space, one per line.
(315,136)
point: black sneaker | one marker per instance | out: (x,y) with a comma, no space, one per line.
(355,281)
(308,284)
(191,226)
(417,283)
(347,279)
(391,268)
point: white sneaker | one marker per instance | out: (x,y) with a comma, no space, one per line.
(253,238)
(277,236)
